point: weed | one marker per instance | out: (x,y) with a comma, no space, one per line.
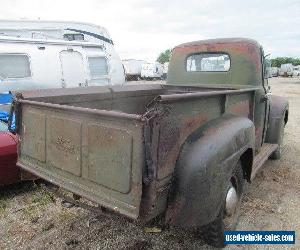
(42,197)
(3,204)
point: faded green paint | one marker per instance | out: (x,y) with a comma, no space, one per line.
(118,146)
(246,69)
(245,57)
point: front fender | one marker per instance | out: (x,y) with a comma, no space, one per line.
(204,168)
(279,108)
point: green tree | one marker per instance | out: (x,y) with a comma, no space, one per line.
(276,62)
(164,56)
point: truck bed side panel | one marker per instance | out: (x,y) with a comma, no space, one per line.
(185,116)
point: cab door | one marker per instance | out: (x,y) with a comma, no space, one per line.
(266,75)
(262,104)
(73,70)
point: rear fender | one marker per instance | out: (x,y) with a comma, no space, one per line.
(204,168)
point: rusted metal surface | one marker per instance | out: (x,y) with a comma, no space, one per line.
(185,96)
(205,163)
(279,110)
(245,56)
(77,144)
(83,110)
(266,150)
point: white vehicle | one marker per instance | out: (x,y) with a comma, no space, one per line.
(42,54)
(133,68)
(297,70)
(152,71)
(274,71)
(165,70)
(286,70)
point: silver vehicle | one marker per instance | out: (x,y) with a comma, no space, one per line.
(39,54)
(286,70)
(152,71)
(133,68)
(274,71)
(296,70)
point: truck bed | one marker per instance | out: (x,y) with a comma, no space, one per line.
(107,144)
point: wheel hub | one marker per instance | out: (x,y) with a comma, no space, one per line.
(231,201)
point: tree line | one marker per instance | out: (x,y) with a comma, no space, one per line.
(276,62)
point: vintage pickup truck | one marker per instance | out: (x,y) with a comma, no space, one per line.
(181,150)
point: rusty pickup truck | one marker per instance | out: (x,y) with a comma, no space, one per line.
(181,150)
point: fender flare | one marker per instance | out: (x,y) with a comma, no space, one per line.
(279,109)
(204,168)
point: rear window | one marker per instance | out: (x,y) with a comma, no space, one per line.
(208,62)
(74,37)
(98,66)
(14,66)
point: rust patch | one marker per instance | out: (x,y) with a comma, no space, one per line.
(169,150)
(242,108)
(174,210)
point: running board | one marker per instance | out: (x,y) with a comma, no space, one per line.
(265,151)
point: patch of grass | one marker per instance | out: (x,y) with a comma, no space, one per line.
(42,197)
(3,204)
(30,212)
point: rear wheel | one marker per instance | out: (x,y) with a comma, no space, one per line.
(227,219)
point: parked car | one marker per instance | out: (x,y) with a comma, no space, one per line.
(296,70)
(133,69)
(181,150)
(9,172)
(286,70)
(274,71)
(76,54)
(152,71)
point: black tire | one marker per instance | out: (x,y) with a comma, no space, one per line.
(276,155)
(213,233)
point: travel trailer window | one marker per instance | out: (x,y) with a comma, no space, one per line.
(208,62)
(98,66)
(14,66)
(74,37)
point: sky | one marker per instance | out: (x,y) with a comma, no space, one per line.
(141,29)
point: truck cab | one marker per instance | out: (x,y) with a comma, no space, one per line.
(233,63)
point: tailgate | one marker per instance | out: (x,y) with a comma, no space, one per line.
(96,154)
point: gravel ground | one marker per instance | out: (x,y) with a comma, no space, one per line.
(31,218)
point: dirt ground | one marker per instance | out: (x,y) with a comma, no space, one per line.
(31,218)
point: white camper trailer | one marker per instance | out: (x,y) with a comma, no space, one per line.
(152,71)
(286,70)
(133,68)
(39,54)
